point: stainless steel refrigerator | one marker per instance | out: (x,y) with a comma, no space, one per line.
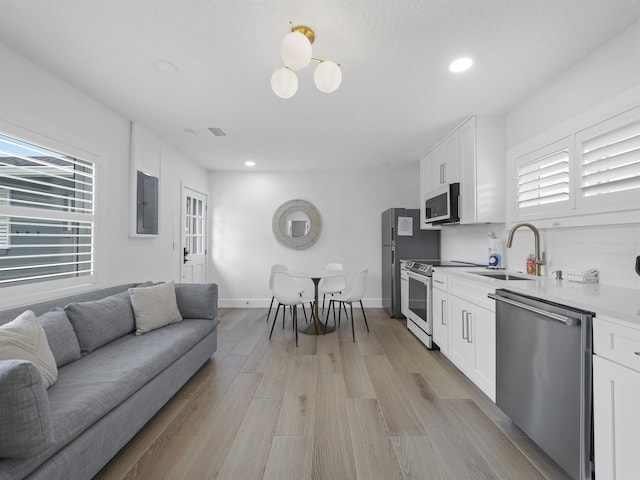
(402,239)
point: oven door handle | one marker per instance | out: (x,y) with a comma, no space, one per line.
(420,278)
(553,316)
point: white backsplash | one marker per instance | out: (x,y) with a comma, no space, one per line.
(468,242)
(610,249)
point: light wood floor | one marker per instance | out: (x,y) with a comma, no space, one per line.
(384,407)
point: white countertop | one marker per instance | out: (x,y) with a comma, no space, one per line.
(620,303)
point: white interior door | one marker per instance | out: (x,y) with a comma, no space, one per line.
(194,238)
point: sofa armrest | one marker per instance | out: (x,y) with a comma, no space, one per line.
(197,300)
(25,414)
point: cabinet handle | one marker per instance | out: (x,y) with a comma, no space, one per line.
(637,353)
(443,173)
(443,306)
(468,318)
(464,315)
(439,281)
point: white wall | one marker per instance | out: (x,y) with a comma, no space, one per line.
(609,71)
(33,100)
(468,243)
(350,204)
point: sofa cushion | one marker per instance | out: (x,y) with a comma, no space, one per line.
(99,322)
(25,428)
(60,336)
(197,300)
(24,339)
(154,307)
(97,383)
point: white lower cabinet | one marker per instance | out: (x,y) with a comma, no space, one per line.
(404,293)
(616,400)
(472,344)
(463,350)
(440,320)
(464,321)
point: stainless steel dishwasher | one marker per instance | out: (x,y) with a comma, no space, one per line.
(544,376)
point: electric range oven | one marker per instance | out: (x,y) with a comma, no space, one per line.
(420,318)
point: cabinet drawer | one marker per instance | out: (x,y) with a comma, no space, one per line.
(472,292)
(440,281)
(616,342)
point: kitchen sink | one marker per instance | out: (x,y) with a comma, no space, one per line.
(501,276)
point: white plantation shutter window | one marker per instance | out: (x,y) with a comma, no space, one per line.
(48,212)
(543,179)
(4,221)
(610,156)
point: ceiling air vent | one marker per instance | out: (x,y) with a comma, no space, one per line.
(218,132)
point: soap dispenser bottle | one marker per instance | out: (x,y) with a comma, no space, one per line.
(531,265)
(495,251)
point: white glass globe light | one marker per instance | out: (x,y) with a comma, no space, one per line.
(295,50)
(327,76)
(284,82)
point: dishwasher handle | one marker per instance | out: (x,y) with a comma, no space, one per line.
(568,321)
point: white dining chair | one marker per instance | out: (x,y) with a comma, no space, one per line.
(355,295)
(287,293)
(274,268)
(332,285)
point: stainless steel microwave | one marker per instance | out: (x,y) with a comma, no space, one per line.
(442,204)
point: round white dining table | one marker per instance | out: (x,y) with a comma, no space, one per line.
(317,327)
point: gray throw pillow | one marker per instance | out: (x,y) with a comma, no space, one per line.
(101,321)
(154,307)
(60,336)
(25,429)
(197,300)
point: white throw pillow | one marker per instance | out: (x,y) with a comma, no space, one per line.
(154,307)
(24,339)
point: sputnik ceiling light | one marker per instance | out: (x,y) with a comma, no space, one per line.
(296,54)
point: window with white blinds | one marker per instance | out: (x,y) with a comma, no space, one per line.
(610,160)
(4,221)
(47,209)
(544,180)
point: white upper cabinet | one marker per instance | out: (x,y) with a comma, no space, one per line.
(474,155)
(482,161)
(446,161)
(426,183)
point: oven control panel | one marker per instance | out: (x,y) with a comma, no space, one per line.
(417,267)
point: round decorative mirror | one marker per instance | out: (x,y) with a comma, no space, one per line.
(297,224)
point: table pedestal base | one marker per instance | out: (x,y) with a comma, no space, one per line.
(316,328)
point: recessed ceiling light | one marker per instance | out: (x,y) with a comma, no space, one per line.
(460,65)
(163,66)
(218,132)
(250,163)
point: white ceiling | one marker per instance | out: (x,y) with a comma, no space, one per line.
(397,96)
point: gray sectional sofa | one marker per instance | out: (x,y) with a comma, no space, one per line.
(110,380)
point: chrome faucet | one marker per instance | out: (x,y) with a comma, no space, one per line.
(539,261)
